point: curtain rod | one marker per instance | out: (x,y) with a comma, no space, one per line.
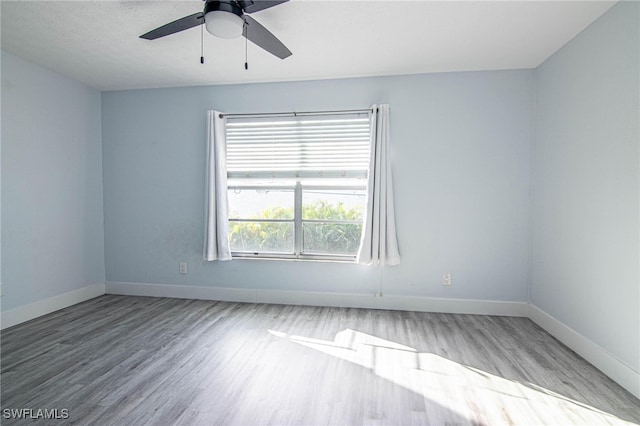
(295,114)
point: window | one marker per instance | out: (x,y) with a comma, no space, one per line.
(297,185)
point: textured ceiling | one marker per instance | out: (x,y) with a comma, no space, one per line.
(97,42)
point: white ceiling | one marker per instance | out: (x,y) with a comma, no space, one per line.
(97,42)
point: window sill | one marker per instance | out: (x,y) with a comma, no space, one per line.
(292,258)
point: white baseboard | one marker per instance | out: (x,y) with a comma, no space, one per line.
(619,371)
(350,300)
(181,292)
(34,310)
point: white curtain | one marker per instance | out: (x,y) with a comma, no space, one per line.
(379,244)
(216,240)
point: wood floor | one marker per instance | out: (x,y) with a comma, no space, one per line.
(138,360)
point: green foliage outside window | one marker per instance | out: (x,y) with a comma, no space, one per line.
(318,237)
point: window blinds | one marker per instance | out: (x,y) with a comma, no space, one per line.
(305,146)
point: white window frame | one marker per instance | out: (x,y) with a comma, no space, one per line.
(298,221)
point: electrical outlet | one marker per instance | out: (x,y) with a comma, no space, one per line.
(446,279)
(183,267)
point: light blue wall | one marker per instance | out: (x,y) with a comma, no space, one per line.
(52,213)
(585,265)
(461,156)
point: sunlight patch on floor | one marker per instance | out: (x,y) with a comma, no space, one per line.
(476,395)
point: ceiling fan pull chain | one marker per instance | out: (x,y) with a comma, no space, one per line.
(246,42)
(202,42)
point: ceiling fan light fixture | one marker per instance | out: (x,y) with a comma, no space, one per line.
(223,19)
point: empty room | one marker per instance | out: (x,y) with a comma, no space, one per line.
(313,212)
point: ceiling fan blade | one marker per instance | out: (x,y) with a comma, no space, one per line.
(262,37)
(175,26)
(250,6)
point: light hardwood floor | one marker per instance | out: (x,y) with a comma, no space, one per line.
(139,360)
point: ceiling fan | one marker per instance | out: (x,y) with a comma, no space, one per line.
(229,19)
